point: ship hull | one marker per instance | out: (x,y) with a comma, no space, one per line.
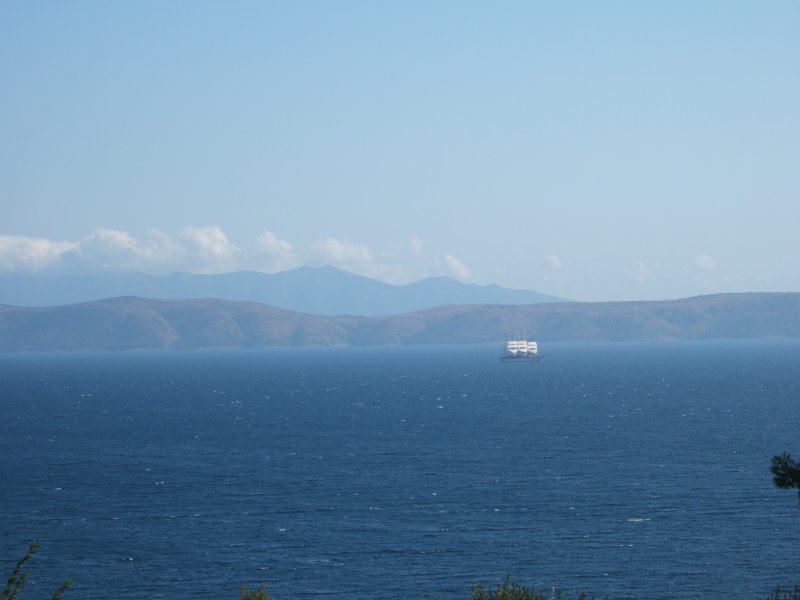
(534,358)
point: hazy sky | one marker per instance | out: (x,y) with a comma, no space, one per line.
(592,150)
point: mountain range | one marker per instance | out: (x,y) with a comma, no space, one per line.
(131,322)
(315,290)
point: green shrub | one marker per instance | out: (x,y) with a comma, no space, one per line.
(515,591)
(785,471)
(259,594)
(16,582)
(779,595)
(505,591)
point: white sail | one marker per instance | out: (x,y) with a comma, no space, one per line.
(522,349)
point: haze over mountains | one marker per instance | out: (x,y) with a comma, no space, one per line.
(327,306)
(315,290)
(128,323)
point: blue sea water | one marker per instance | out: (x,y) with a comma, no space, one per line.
(628,470)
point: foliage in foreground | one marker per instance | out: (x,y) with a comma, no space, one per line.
(780,595)
(505,591)
(259,594)
(515,591)
(16,582)
(785,471)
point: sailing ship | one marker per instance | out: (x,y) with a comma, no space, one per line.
(521,350)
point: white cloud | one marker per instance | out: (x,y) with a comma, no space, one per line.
(355,258)
(456,268)
(209,250)
(417,246)
(275,254)
(209,241)
(196,249)
(342,253)
(705,262)
(118,250)
(166,250)
(20,253)
(393,267)
(640,272)
(200,250)
(554,261)
(112,238)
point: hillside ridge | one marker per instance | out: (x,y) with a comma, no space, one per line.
(137,323)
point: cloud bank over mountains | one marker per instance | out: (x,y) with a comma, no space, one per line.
(208,250)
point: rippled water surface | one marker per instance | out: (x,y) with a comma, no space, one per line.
(633,470)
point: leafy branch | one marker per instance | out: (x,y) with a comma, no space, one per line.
(16,582)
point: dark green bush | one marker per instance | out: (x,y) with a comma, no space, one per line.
(785,471)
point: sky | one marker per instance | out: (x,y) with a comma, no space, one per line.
(589,150)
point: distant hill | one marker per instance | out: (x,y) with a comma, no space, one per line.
(129,322)
(315,290)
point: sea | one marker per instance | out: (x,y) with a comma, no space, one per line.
(627,470)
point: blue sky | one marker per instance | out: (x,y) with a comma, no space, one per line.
(615,150)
